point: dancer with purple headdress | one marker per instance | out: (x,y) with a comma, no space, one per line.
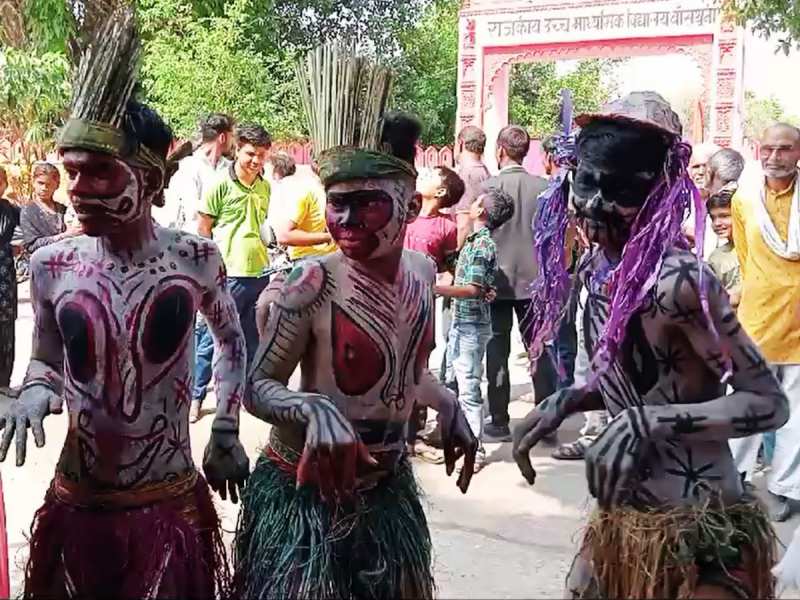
(673,518)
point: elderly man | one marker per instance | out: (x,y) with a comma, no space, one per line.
(766,232)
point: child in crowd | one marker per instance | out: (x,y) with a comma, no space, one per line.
(433,232)
(723,261)
(472,325)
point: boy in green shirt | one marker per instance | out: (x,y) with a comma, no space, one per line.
(232,213)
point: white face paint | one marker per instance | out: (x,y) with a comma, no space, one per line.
(108,194)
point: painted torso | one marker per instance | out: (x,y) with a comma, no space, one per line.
(657,365)
(368,340)
(127,332)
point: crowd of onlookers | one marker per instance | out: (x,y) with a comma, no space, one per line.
(266,214)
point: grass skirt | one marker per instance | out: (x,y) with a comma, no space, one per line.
(667,554)
(291,545)
(168,549)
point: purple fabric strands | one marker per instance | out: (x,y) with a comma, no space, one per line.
(551,289)
(657,229)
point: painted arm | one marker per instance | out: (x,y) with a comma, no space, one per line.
(225,462)
(42,389)
(332,449)
(757,403)
(457,437)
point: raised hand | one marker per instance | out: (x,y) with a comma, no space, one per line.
(332,452)
(543,420)
(612,461)
(225,464)
(457,440)
(34,403)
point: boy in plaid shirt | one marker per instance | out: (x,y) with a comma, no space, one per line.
(472,325)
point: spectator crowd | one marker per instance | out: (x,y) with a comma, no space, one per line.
(265,214)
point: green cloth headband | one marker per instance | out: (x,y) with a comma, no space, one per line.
(100,137)
(346,163)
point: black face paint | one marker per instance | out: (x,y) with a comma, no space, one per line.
(618,165)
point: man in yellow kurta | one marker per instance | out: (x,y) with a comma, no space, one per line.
(766,231)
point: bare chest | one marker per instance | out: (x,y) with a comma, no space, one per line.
(371,344)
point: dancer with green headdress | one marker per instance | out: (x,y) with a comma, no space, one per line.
(127,514)
(332,509)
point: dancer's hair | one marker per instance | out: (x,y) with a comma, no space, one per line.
(144,125)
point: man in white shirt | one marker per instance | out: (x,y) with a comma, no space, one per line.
(198,173)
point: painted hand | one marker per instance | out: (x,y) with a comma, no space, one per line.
(543,420)
(225,464)
(457,440)
(28,410)
(332,452)
(613,460)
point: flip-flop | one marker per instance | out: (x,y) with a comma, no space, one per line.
(572,451)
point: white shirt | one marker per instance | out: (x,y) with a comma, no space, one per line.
(195,178)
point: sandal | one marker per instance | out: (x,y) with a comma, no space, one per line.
(572,451)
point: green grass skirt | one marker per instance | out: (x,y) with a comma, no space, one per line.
(289,544)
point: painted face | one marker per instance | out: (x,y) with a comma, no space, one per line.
(617,167)
(780,152)
(367,217)
(721,222)
(107,194)
(45,186)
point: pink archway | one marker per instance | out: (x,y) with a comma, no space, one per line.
(496,34)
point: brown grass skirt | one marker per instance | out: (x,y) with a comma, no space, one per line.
(171,548)
(667,554)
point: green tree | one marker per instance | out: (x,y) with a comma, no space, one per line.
(534,98)
(428,71)
(192,66)
(771,17)
(34,95)
(760,113)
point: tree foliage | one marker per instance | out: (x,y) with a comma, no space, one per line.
(193,66)
(428,71)
(534,99)
(760,113)
(780,18)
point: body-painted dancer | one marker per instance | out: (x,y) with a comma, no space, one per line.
(673,518)
(127,514)
(332,509)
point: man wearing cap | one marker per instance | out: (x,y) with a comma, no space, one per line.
(673,518)
(127,514)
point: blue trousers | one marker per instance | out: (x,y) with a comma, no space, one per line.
(245,292)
